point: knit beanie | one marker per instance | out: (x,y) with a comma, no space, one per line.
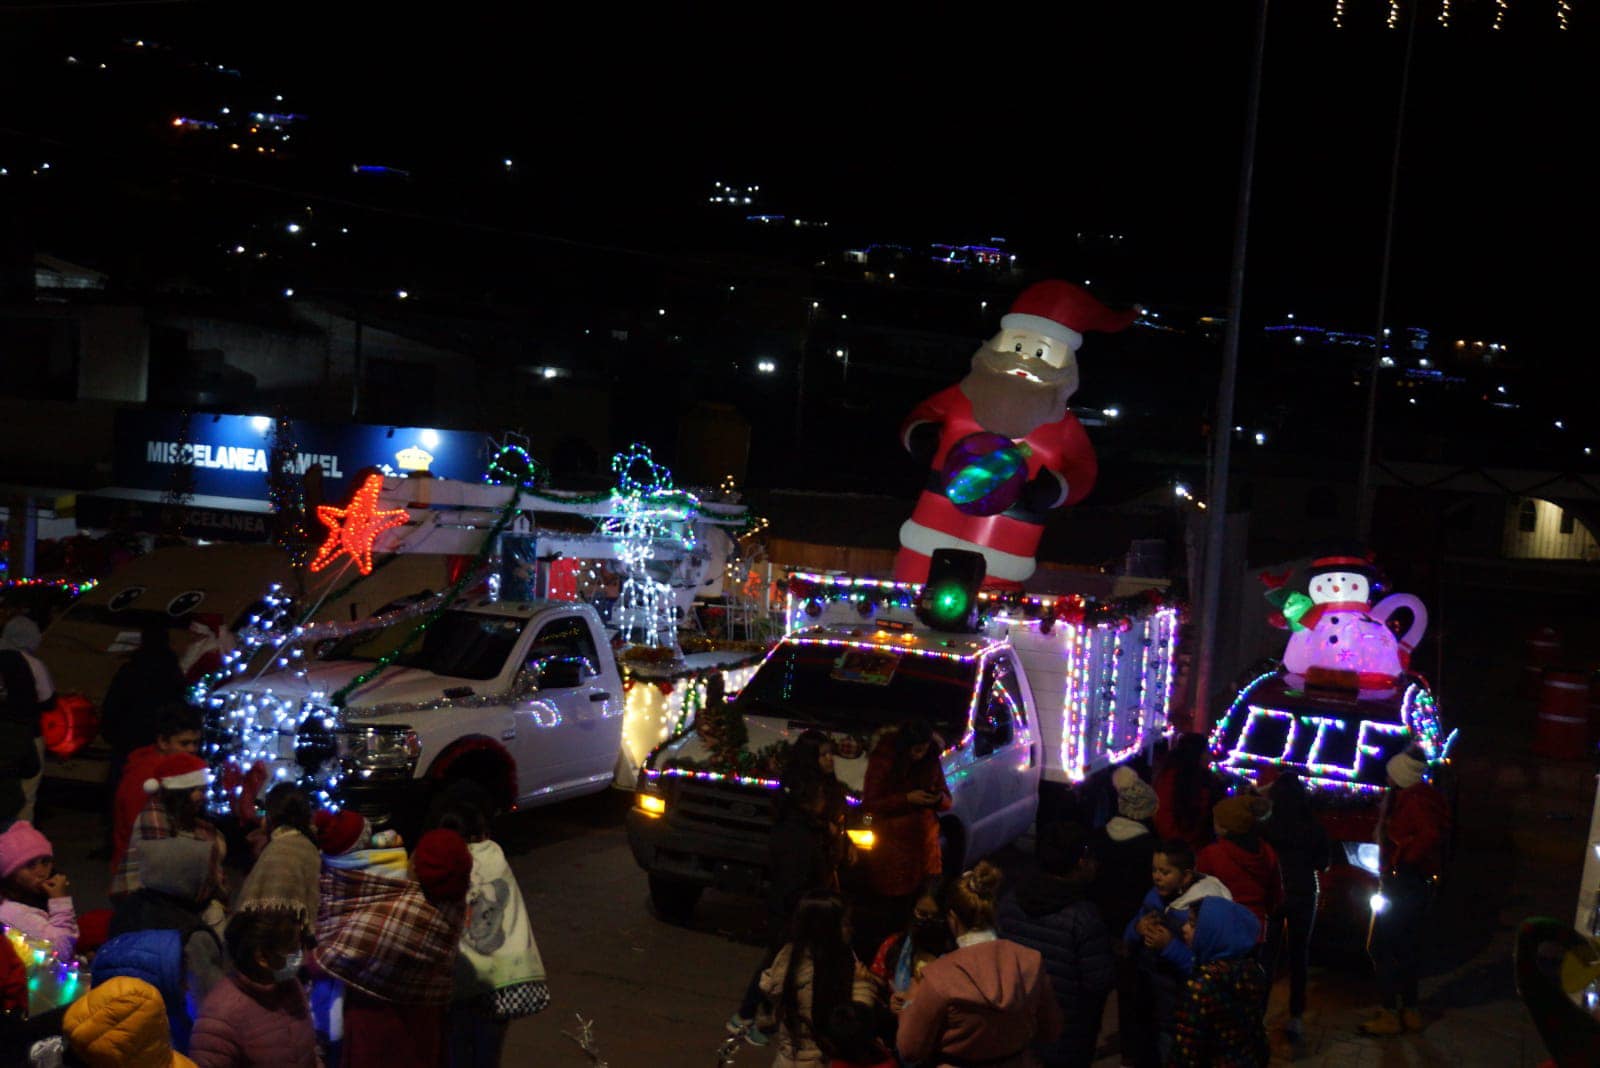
(20,846)
(178,771)
(342,831)
(1136,799)
(443,865)
(1405,770)
(1238,814)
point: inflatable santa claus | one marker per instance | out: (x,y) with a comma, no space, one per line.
(1002,446)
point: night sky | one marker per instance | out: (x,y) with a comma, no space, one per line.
(1124,117)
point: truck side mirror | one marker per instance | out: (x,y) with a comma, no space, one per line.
(560,674)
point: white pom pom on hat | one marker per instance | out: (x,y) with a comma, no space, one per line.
(1124,777)
(179,771)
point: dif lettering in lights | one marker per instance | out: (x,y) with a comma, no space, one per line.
(950,597)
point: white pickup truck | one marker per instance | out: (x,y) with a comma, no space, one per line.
(1049,691)
(523,697)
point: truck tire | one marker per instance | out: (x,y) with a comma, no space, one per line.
(674,899)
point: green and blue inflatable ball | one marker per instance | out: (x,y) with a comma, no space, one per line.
(984,473)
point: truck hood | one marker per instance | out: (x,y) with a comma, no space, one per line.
(394,686)
(692,751)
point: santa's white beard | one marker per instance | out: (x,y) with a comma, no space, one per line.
(1005,403)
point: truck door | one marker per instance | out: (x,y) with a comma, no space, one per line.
(1003,775)
(569,728)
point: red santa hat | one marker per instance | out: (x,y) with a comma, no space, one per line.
(1063,311)
(178,771)
(341,832)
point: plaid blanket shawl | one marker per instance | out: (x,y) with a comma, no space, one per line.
(385,939)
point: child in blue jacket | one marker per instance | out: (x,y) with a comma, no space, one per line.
(1155,937)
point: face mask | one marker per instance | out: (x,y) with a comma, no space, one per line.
(291,967)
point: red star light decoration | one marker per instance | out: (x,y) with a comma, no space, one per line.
(353,529)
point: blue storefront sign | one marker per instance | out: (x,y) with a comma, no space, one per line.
(230,454)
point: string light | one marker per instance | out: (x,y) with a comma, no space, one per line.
(70,587)
(1444,13)
(1563,14)
(1257,745)
(1500,9)
(353,528)
(1394,14)
(1338,14)
(646,510)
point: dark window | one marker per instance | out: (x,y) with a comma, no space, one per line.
(1528,517)
(567,638)
(1566,521)
(1001,708)
(1321,503)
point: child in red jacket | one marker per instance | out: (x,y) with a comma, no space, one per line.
(1242,859)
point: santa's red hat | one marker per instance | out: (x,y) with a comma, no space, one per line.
(1063,311)
(178,771)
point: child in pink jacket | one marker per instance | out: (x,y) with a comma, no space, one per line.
(988,1001)
(258,1017)
(33,895)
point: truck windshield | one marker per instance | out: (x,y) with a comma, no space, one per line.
(839,687)
(463,645)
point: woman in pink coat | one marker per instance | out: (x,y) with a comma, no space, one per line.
(258,1016)
(988,1001)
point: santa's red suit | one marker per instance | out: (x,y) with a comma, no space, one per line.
(1009,539)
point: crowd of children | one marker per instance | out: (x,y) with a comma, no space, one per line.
(339,948)
(1189,928)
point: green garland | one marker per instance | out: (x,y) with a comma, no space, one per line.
(468,574)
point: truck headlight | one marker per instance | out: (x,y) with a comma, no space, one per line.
(862,837)
(650,804)
(1363,855)
(379,748)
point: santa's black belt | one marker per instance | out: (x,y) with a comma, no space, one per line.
(1019,511)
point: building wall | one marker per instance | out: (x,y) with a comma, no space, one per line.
(114,347)
(1546,540)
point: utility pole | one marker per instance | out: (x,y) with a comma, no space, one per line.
(1222,423)
(1364,482)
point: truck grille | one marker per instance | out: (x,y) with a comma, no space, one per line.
(747,811)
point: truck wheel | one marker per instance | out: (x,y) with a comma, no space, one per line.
(674,899)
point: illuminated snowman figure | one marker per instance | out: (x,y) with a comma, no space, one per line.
(1337,628)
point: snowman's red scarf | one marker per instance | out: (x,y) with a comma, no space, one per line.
(386,939)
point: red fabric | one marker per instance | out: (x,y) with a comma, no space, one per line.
(13,980)
(907,848)
(245,1023)
(94,930)
(131,798)
(443,865)
(383,1034)
(1173,821)
(1412,837)
(1061,447)
(1071,306)
(1254,879)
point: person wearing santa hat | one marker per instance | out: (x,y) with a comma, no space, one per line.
(177,792)
(1003,448)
